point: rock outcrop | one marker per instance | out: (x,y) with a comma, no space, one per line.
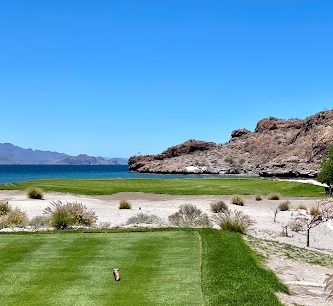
(286,148)
(239,133)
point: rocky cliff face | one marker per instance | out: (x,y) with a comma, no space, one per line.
(286,148)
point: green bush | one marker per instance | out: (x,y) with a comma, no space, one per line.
(123,204)
(142,218)
(189,216)
(258,197)
(285,205)
(274,196)
(35,193)
(237,200)
(72,213)
(61,219)
(234,221)
(39,221)
(5,208)
(15,218)
(219,206)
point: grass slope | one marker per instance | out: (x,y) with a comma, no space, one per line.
(173,186)
(232,274)
(169,267)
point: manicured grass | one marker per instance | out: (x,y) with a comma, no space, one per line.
(173,186)
(158,267)
(232,274)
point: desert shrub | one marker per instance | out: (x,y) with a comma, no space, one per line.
(296,226)
(104,225)
(285,205)
(72,213)
(274,196)
(61,219)
(14,217)
(258,197)
(123,204)
(144,219)
(189,216)
(80,214)
(237,200)
(5,208)
(234,221)
(218,207)
(39,221)
(302,206)
(314,211)
(35,193)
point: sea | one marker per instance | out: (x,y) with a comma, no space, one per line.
(18,173)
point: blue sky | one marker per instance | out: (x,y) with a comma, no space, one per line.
(114,78)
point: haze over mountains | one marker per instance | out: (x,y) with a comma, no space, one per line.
(11,155)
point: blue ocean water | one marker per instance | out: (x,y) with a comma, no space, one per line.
(17,173)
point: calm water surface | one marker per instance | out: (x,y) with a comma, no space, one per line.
(17,173)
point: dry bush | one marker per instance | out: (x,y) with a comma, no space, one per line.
(105,225)
(296,226)
(35,193)
(322,213)
(258,197)
(314,211)
(142,218)
(72,213)
(274,196)
(302,206)
(237,200)
(219,206)
(234,221)
(285,205)
(189,216)
(5,208)
(123,204)
(39,222)
(15,218)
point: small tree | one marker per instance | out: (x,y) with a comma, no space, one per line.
(324,214)
(275,209)
(326,172)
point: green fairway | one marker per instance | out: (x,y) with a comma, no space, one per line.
(169,267)
(204,186)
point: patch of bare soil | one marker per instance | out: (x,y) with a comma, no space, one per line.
(304,271)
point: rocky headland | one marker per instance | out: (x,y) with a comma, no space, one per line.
(282,148)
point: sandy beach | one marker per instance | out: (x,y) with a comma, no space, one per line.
(162,205)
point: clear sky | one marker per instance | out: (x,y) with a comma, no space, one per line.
(114,78)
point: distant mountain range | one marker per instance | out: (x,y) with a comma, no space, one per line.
(11,155)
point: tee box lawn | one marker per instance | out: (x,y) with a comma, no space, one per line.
(158,267)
